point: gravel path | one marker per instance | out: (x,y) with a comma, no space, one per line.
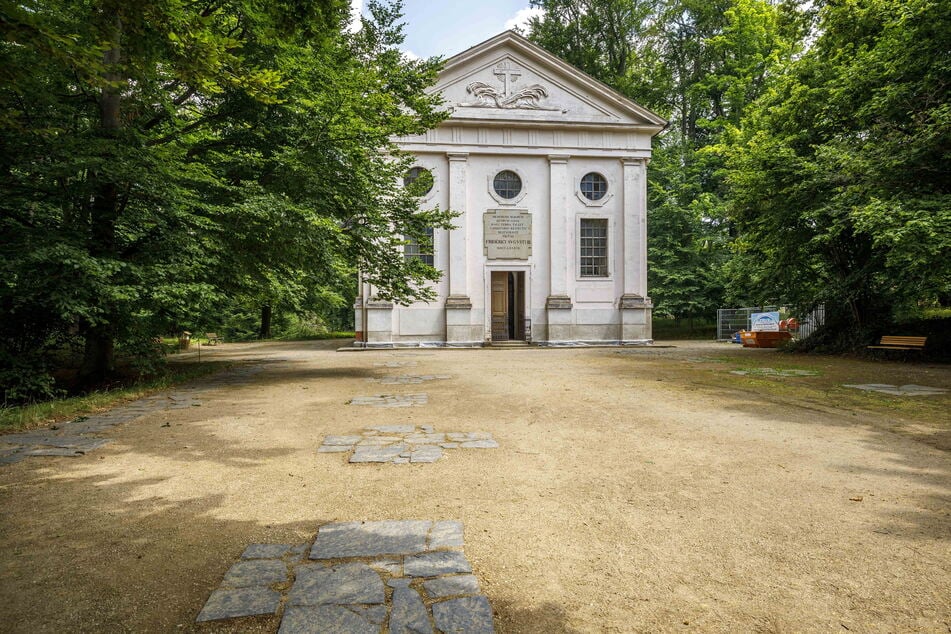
(631,490)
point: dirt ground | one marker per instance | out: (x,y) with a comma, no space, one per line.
(634,490)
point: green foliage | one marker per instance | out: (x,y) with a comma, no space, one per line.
(700,64)
(162,160)
(838,176)
(13,418)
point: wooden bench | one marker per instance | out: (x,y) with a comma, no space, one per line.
(213,338)
(891,342)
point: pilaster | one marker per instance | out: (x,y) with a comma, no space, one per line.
(458,306)
(634,230)
(458,236)
(558,231)
(634,304)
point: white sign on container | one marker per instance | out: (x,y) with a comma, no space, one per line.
(765,322)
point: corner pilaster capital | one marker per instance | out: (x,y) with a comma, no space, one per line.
(632,300)
(634,161)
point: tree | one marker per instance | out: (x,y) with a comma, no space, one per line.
(700,64)
(838,174)
(158,158)
(601,37)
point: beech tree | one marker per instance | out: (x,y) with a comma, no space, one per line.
(699,64)
(838,175)
(157,158)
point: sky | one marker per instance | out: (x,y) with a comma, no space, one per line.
(447,27)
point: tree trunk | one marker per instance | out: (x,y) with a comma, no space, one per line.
(265,332)
(99,354)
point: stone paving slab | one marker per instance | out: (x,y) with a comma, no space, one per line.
(255,572)
(325,619)
(468,615)
(408,613)
(900,390)
(78,437)
(368,539)
(344,590)
(390,400)
(445,534)
(346,584)
(436,563)
(783,372)
(404,444)
(230,603)
(69,452)
(12,457)
(408,379)
(378,454)
(452,586)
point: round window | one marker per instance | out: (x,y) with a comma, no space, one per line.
(418,180)
(594,186)
(507,184)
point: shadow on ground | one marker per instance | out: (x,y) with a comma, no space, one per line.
(101,557)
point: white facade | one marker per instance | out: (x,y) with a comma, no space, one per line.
(515,268)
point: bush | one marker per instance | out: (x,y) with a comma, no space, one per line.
(25,378)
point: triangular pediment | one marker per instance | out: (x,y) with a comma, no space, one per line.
(510,79)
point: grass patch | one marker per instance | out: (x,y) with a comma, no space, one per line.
(37,414)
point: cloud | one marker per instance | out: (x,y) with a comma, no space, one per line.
(519,21)
(356,10)
(410,55)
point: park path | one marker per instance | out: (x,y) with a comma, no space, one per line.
(624,494)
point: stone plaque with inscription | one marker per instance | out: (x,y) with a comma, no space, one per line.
(508,234)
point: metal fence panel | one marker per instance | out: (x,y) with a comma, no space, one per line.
(811,322)
(730,320)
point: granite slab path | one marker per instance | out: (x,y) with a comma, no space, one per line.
(402,444)
(408,379)
(390,400)
(400,576)
(81,435)
(899,390)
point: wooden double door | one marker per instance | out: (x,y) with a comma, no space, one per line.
(508,306)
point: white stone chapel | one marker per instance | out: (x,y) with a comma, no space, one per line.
(548,167)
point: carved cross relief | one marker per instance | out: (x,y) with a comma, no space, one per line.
(509,97)
(508,76)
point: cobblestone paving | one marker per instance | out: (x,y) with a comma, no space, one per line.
(407,576)
(401,444)
(78,437)
(900,390)
(409,379)
(390,400)
(773,372)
